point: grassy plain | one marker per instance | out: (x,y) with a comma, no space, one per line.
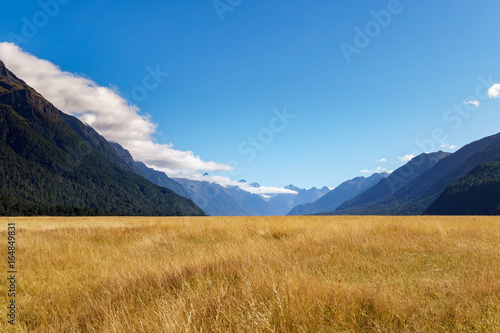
(255,274)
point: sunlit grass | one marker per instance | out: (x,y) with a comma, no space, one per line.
(271,274)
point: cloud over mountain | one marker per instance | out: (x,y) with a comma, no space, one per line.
(406,158)
(106,111)
(226,182)
(376,170)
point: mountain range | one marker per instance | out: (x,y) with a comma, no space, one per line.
(477,193)
(53,164)
(215,199)
(218,200)
(337,196)
(397,179)
(464,182)
(418,194)
(283,203)
(41,144)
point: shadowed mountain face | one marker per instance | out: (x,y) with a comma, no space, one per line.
(161,179)
(337,196)
(477,193)
(217,200)
(417,195)
(121,157)
(391,184)
(52,164)
(113,152)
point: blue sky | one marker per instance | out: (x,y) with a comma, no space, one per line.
(228,78)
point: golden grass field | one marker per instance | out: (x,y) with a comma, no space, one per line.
(255,274)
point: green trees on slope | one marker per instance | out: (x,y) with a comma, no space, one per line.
(477,193)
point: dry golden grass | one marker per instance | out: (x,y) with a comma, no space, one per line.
(246,274)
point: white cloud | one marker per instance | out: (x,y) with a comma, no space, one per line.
(227,182)
(406,158)
(476,103)
(267,190)
(447,145)
(494,91)
(382,160)
(377,170)
(106,111)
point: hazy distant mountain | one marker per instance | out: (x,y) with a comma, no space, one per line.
(477,193)
(161,179)
(331,200)
(391,184)
(284,202)
(417,195)
(254,184)
(217,200)
(52,164)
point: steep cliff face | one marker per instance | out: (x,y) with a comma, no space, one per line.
(24,99)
